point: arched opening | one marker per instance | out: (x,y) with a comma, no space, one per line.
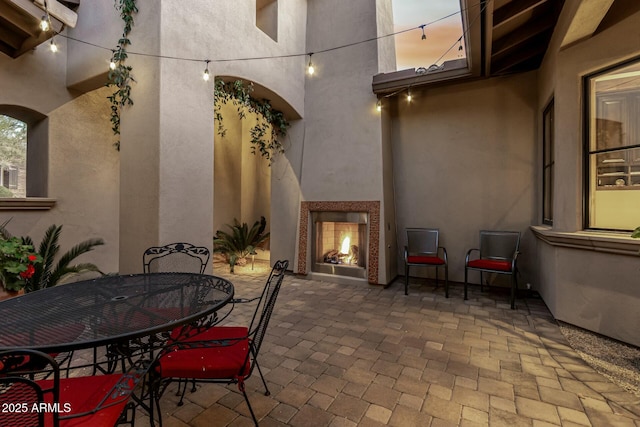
(242,176)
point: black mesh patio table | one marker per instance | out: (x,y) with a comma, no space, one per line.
(110,309)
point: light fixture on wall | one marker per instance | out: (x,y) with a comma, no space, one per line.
(310,68)
(205,74)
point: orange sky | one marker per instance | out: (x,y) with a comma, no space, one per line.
(411,50)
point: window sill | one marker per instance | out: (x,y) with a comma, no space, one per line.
(614,243)
(29,203)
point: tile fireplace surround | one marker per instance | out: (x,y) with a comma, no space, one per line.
(372,208)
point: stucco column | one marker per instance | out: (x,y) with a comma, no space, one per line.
(166,176)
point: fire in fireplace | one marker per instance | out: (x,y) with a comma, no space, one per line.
(340,243)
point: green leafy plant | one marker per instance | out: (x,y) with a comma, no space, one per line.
(265,135)
(120,76)
(18,263)
(241,241)
(48,273)
(636,233)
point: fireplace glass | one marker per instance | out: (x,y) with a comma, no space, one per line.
(339,243)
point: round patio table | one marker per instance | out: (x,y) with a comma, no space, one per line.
(108,310)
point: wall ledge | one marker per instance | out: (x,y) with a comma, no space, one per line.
(29,203)
(614,243)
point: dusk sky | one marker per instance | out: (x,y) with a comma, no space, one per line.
(411,50)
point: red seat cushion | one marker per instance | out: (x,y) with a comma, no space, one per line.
(490,264)
(84,394)
(422,259)
(226,358)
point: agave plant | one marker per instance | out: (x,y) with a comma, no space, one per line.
(46,273)
(241,241)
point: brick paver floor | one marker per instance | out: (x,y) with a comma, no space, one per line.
(362,355)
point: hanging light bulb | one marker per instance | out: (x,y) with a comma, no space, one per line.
(409,95)
(424,36)
(205,74)
(53,46)
(112,62)
(379,106)
(310,68)
(44,23)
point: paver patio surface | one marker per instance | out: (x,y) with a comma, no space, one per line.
(362,355)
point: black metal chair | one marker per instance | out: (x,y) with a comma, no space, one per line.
(176,257)
(221,354)
(422,250)
(34,394)
(498,253)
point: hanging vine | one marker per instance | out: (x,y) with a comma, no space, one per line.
(120,75)
(266,134)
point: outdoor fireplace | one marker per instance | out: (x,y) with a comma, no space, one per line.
(324,225)
(339,243)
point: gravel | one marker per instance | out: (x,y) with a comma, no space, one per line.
(615,360)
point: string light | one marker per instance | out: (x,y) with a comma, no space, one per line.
(205,74)
(44,23)
(424,36)
(310,68)
(379,106)
(409,94)
(53,46)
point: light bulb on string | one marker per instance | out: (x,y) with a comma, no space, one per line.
(409,95)
(53,46)
(205,74)
(424,36)
(310,68)
(44,23)
(112,61)
(379,106)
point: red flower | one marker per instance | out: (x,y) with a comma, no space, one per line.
(32,258)
(29,272)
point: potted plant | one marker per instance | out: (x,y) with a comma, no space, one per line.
(17,264)
(241,241)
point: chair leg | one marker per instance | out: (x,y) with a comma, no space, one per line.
(246,398)
(481,282)
(437,284)
(266,388)
(514,288)
(446,281)
(406,280)
(466,273)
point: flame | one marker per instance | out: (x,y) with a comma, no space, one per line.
(346,244)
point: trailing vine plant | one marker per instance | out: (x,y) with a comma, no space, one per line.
(120,76)
(266,134)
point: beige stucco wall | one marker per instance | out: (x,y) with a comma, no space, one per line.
(464,160)
(594,290)
(342,157)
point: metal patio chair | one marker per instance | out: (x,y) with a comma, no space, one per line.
(221,354)
(498,254)
(176,257)
(422,250)
(31,387)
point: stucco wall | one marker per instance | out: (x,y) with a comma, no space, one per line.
(464,160)
(590,289)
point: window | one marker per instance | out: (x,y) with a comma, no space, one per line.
(612,148)
(547,164)
(24,158)
(267,17)
(13,157)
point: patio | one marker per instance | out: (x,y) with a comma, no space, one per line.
(344,355)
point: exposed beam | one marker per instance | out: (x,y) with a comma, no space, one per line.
(524,33)
(60,11)
(532,51)
(514,9)
(585,20)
